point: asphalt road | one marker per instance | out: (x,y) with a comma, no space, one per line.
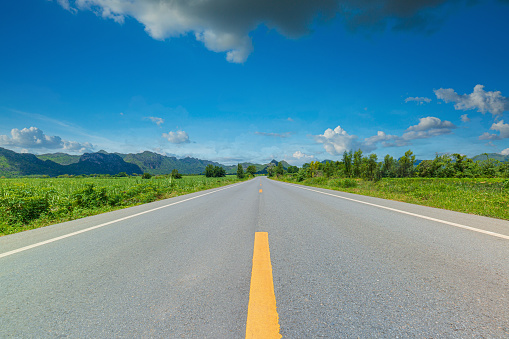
(341,269)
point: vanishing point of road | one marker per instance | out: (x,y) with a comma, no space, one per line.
(343,266)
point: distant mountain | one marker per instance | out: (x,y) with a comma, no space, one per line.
(101,163)
(17,164)
(495,156)
(154,163)
(54,164)
(23,164)
(60,158)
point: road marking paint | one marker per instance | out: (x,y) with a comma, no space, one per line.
(478,230)
(260,191)
(6,254)
(262,317)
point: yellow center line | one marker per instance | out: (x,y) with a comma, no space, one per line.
(260,190)
(262,317)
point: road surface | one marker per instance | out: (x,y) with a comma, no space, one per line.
(181,268)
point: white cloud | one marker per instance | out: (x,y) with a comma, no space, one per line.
(505,151)
(178,137)
(299,155)
(34,138)
(499,126)
(336,141)
(465,118)
(492,102)
(428,127)
(419,100)
(158,121)
(387,140)
(65,4)
(224,25)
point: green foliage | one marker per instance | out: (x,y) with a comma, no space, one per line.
(347,163)
(481,196)
(89,197)
(32,202)
(22,206)
(175,174)
(212,171)
(280,169)
(251,170)
(293,169)
(240,172)
(146,176)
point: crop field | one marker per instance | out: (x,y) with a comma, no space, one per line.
(482,196)
(27,203)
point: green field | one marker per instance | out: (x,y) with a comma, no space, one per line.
(27,203)
(481,196)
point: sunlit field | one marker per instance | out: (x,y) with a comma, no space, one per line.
(481,196)
(27,203)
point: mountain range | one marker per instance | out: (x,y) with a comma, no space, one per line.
(14,164)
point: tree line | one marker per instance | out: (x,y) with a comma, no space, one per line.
(357,165)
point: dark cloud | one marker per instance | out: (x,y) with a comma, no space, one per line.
(224,25)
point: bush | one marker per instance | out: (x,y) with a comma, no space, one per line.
(22,209)
(90,197)
(348,183)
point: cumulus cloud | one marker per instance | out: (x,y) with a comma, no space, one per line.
(34,138)
(428,127)
(491,101)
(277,135)
(386,140)
(465,118)
(224,25)
(158,121)
(419,100)
(505,151)
(336,141)
(178,137)
(299,155)
(500,127)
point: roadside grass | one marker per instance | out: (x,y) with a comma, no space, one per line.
(27,203)
(482,196)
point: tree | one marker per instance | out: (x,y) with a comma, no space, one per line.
(357,162)
(146,176)
(406,165)
(347,161)
(293,169)
(328,169)
(389,167)
(209,171)
(371,166)
(280,169)
(313,168)
(251,170)
(271,170)
(219,172)
(175,174)
(214,171)
(240,172)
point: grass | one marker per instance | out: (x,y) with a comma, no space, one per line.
(27,203)
(482,196)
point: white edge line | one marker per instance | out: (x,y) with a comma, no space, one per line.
(498,235)
(21,249)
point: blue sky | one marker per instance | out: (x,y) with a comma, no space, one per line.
(252,81)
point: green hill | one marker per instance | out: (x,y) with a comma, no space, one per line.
(14,164)
(495,156)
(60,158)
